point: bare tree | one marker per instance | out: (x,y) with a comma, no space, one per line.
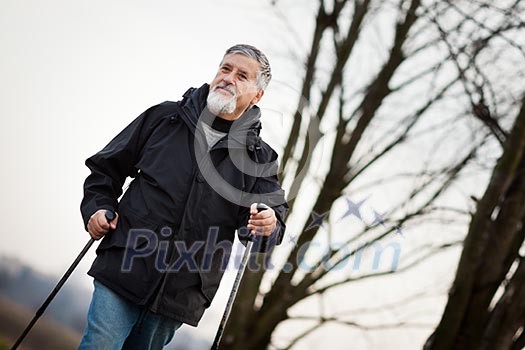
(476,315)
(371,111)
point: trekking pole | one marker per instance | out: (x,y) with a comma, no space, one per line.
(110,216)
(235,288)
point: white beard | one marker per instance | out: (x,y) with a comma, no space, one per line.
(219,104)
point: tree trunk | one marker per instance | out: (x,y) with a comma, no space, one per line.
(468,287)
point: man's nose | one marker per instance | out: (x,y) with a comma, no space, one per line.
(229,78)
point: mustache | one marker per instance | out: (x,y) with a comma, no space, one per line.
(227,87)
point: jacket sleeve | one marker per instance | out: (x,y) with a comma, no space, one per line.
(273,195)
(112,165)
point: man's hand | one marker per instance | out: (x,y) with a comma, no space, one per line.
(98,225)
(263,223)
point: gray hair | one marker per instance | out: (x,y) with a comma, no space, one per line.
(264,75)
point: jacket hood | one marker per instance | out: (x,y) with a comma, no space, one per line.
(244,130)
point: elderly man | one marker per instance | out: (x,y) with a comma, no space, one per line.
(200,168)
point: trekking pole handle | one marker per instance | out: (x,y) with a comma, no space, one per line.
(260,207)
(110,215)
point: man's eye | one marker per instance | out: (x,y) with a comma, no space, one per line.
(243,76)
(225,69)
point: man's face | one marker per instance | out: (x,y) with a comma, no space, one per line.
(234,87)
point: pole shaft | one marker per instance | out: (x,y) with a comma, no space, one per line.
(233,293)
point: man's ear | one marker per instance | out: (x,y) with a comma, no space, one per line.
(257,97)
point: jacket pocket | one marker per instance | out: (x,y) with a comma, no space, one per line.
(133,230)
(210,285)
(211,270)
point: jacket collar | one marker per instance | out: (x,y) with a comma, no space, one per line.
(244,132)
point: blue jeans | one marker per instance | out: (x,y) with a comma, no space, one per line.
(114,323)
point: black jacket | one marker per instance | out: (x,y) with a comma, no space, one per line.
(178,196)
